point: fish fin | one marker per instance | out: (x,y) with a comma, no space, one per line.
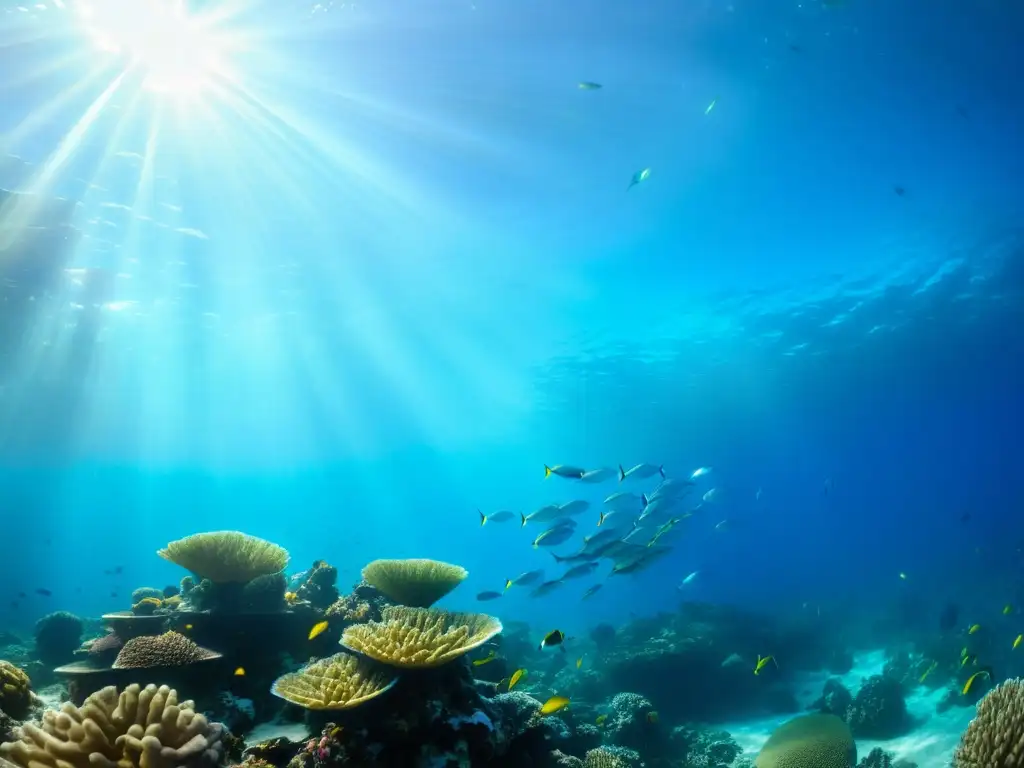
(600,520)
(622,473)
(547,471)
(483,517)
(521,515)
(643,498)
(661,471)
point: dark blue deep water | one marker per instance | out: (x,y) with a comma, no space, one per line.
(340,275)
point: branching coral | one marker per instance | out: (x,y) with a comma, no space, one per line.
(15,691)
(342,681)
(170,649)
(226,556)
(420,637)
(995,737)
(140,728)
(415,583)
(809,741)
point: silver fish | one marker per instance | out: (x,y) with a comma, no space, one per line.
(641,472)
(546,588)
(545,514)
(577,507)
(564,470)
(670,488)
(623,501)
(502,516)
(596,476)
(578,571)
(527,578)
(552,537)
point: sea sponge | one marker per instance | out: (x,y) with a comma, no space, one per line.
(809,741)
(341,681)
(420,637)
(417,583)
(995,737)
(15,691)
(170,649)
(226,556)
(140,728)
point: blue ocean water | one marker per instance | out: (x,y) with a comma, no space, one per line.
(387,264)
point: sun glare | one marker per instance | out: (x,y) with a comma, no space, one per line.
(174,51)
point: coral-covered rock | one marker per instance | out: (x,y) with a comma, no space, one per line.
(15,691)
(879,710)
(835,699)
(57,636)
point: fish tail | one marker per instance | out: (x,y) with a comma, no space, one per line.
(600,520)
(661,471)
(521,525)
(483,517)
(622,473)
(644,499)
(547,471)
(508,583)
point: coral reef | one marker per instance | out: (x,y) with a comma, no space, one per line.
(319,588)
(15,691)
(341,681)
(138,728)
(809,741)
(143,593)
(835,699)
(58,635)
(170,649)
(879,710)
(995,737)
(226,556)
(417,583)
(420,637)
(265,594)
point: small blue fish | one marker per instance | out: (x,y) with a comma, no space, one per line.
(638,177)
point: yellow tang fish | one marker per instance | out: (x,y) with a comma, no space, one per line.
(1018,641)
(928,671)
(488,658)
(240,672)
(188,626)
(987,671)
(516,677)
(974,628)
(579,662)
(600,719)
(318,629)
(762,662)
(554,704)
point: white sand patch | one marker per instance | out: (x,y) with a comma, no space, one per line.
(930,745)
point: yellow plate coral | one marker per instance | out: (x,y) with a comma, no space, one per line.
(418,583)
(341,681)
(226,556)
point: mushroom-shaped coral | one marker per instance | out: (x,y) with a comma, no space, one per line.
(15,691)
(418,638)
(170,649)
(341,681)
(226,556)
(140,727)
(995,737)
(416,583)
(809,741)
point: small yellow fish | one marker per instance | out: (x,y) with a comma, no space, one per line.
(486,659)
(928,671)
(579,662)
(188,626)
(974,628)
(1018,641)
(318,629)
(1007,609)
(239,671)
(600,719)
(554,704)
(987,672)
(963,651)
(970,658)
(518,675)
(652,717)
(290,597)
(508,583)
(762,662)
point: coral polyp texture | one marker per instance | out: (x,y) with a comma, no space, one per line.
(417,583)
(15,691)
(809,741)
(995,737)
(417,638)
(138,728)
(226,556)
(170,649)
(342,681)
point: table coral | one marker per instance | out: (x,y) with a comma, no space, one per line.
(417,583)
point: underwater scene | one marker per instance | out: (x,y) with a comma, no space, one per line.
(536,384)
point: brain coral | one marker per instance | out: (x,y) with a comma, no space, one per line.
(420,637)
(140,728)
(995,737)
(809,741)
(226,556)
(416,583)
(170,649)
